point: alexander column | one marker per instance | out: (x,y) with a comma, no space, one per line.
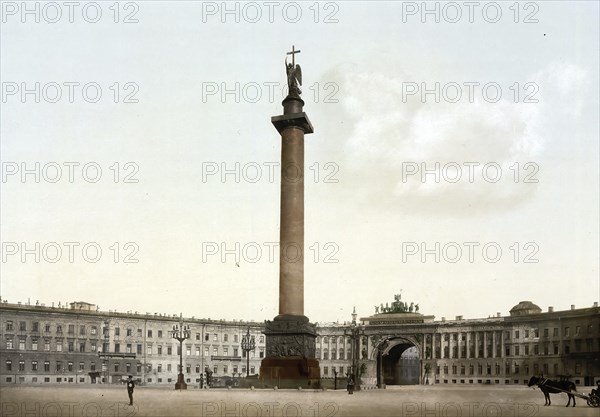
(290,360)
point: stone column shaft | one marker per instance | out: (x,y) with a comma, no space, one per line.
(291,250)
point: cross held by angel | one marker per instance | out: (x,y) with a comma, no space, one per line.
(294,74)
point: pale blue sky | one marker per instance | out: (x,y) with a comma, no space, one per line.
(370,54)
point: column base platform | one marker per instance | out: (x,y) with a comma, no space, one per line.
(290,372)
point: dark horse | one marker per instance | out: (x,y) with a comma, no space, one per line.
(549,386)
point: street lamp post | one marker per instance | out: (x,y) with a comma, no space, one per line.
(248,344)
(180,333)
(355,331)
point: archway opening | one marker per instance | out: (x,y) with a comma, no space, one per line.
(401,365)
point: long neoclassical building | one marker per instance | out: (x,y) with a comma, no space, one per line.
(78,344)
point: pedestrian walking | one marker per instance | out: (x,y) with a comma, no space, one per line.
(130,387)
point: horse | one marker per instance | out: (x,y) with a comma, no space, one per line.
(549,386)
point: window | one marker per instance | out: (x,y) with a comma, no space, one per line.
(139,349)
(225,337)
(215,337)
(82,346)
(82,330)
(58,328)
(36,326)
(128,367)
(149,350)
(9,326)
(188,350)
(261,339)
(526,350)
(215,351)
(81,366)
(536,332)
(129,331)
(556,349)
(139,332)
(536,350)
(555,332)
(59,366)
(517,350)
(128,348)
(526,334)
(169,350)
(226,352)
(159,350)
(71,329)
(225,369)
(47,366)
(326,354)
(215,369)
(116,367)
(93,347)
(47,345)
(566,332)
(516,334)
(70,366)
(93,366)
(160,333)
(546,332)
(252,370)
(197,350)
(59,346)
(117,331)
(21,365)
(197,336)
(47,328)
(9,343)
(159,367)
(94,330)
(261,353)
(235,338)
(9,365)
(71,346)
(326,370)
(21,344)
(149,333)
(22,326)
(169,367)
(206,337)
(205,350)
(577,329)
(117,347)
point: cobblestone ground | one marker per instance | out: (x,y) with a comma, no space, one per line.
(406,401)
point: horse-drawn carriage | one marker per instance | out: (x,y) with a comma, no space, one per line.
(550,386)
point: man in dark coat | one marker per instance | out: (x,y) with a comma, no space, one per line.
(130,387)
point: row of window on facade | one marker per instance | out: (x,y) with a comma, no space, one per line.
(518,350)
(129,348)
(339,371)
(526,333)
(117,331)
(117,367)
(335,354)
(516,369)
(47,328)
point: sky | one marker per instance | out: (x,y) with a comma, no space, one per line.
(454,158)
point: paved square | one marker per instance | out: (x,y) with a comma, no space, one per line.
(432,401)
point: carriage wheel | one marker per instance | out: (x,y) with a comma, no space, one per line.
(593,401)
